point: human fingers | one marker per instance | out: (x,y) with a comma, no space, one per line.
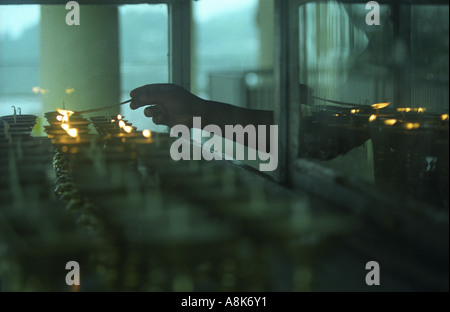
(152,111)
(151,88)
(159,115)
(144,100)
(150,94)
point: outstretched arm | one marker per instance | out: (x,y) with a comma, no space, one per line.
(172,105)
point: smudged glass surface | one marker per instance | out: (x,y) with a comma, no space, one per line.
(348,65)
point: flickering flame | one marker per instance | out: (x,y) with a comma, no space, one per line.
(390,122)
(409,109)
(354,111)
(113,120)
(372,118)
(36,90)
(444,117)
(73,132)
(128,129)
(147,133)
(119,117)
(65,112)
(380,105)
(64,115)
(411,125)
(122,124)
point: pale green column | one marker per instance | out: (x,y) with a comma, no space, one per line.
(80,63)
(265,22)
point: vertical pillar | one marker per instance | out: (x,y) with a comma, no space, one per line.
(266,28)
(193,50)
(287,96)
(80,63)
(180,43)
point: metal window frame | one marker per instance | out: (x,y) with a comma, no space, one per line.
(180,43)
(286,77)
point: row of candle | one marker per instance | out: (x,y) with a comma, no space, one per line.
(116,193)
(119,129)
(407,118)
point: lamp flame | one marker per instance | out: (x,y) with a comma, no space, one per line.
(409,109)
(380,105)
(65,112)
(147,133)
(372,118)
(128,129)
(73,132)
(390,122)
(411,125)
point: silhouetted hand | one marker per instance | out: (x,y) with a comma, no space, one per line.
(168,104)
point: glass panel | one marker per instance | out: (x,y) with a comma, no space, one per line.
(348,66)
(232,58)
(19,58)
(44,66)
(143,54)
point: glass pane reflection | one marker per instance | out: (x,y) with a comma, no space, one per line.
(348,66)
